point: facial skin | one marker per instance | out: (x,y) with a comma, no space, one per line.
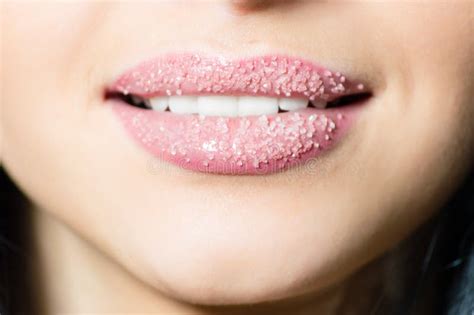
(238,239)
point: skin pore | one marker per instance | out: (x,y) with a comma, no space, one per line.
(118,232)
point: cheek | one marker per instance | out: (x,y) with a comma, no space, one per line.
(40,46)
(47,92)
(421,130)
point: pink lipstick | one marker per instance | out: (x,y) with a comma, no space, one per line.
(274,76)
(236,142)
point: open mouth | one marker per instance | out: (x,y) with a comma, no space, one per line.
(233,106)
(253,116)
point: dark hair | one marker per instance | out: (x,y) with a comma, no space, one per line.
(16,272)
(449,258)
(456,251)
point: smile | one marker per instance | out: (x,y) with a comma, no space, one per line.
(249,116)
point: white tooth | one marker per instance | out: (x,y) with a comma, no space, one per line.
(183,104)
(159,103)
(257,105)
(217,106)
(319,104)
(291,104)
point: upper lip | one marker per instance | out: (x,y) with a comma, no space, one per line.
(267,75)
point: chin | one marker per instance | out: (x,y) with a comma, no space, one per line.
(218,267)
(222,284)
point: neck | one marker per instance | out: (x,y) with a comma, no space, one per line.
(75,277)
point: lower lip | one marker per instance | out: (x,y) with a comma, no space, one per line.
(253,145)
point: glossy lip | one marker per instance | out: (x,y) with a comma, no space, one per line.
(236,145)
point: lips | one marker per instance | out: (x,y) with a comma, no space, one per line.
(248,116)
